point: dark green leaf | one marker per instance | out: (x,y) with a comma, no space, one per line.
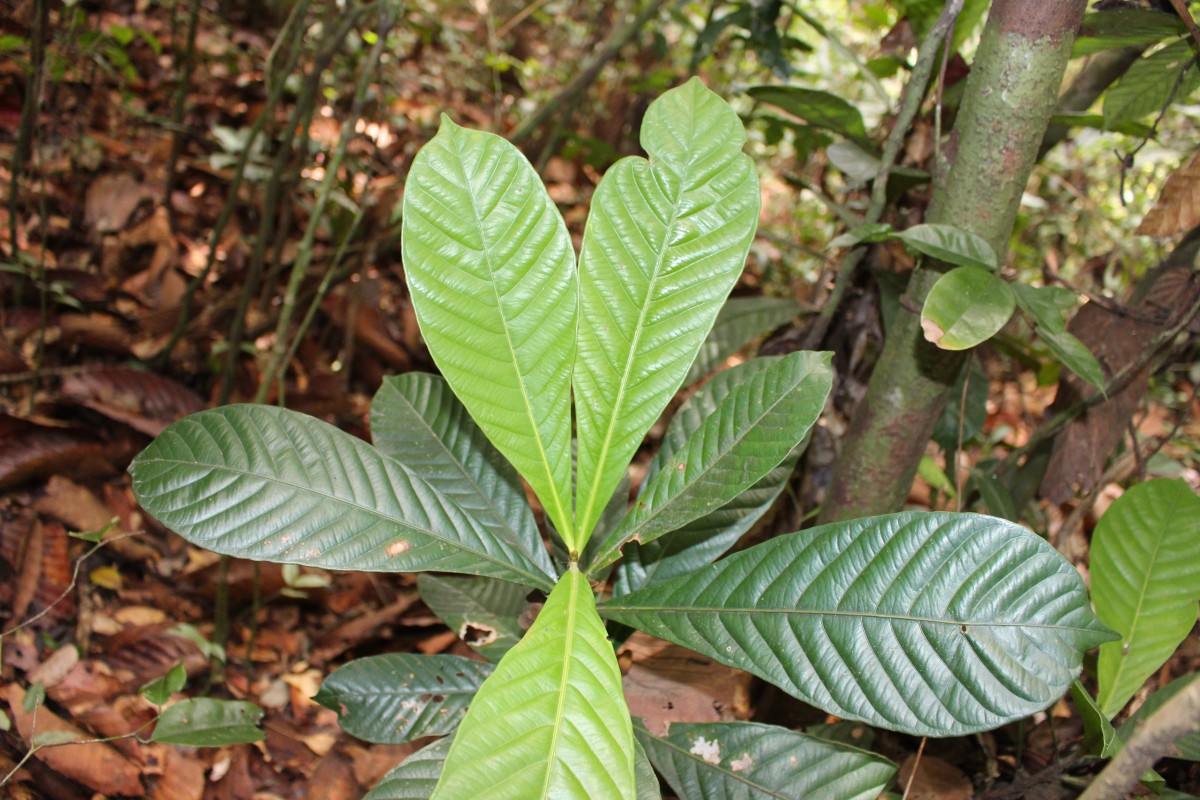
(158,692)
(817,107)
(933,624)
(966,306)
(269,484)
(205,722)
(1146,86)
(872,232)
(751,761)
(485,612)
(1045,306)
(398,697)
(951,245)
(740,321)
(1124,27)
(997,497)
(647,781)
(415,777)
(1098,733)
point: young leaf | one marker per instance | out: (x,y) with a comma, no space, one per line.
(1186,747)
(205,722)
(951,245)
(414,777)
(490,267)
(485,612)
(1150,82)
(665,242)
(966,306)
(398,697)
(740,321)
(752,761)
(551,721)
(269,484)
(417,420)
(933,624)
(1045,305)
(698,543)
(1145,582)
(755,427)
(819,108)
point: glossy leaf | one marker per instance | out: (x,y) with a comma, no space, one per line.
(491,271)
(397,697)
(951,245)
(551,721)
(666,241)
(272,485)
(1124,27)
(752,761)
(740,321)
(1145,569)
(414,777)
(967,306)
(205,722)
(817,107)
(932,624)
(1045,305)
(753,429)
(1186,747)
(417,420)
(484,612)
(1148,84)
(701,541)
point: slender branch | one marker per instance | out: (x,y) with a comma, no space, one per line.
(1149,743)
(588,72)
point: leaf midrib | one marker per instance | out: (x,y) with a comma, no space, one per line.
(563,682)
(539,580)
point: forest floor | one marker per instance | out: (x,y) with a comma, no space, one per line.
(86,381)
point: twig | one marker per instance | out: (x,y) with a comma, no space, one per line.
(588,72)
(29,116)
(1150,741)
(910,106)
(916,765)
(179,107)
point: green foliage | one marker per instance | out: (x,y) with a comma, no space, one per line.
(1186,747)
(207,722)
(817,107)
(967,306)
(923,623)
(1146,583)
(1045,306)
(1165,76)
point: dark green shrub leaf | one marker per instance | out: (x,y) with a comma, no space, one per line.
(1124,27)
(398,697)
(751,761)
(933,624)
(491,270)
(817,107)
(966,306)
(205,722)
(484,612)
(741,320)
(1099,738)
(951,245)
(273,485)
(1146,86)
(871,232)
(647,781)
(1046,305)
(664,244)
(1145,582)
(414,777)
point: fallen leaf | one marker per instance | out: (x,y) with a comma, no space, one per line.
(1178,207)
(144,401)
(934,780)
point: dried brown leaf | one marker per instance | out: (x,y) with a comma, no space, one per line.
(144,401)
(1178,207)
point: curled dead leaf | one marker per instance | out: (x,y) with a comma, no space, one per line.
(1178,207)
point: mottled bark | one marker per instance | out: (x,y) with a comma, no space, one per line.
(1010,96)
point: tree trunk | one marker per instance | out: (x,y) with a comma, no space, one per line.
(1009,98)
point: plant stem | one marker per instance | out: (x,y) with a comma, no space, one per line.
(588,71)
(179,106)
(30,110)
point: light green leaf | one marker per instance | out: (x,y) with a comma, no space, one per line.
(551,721)
(1045,306)
(755,427)
(1099,738)
(414,777)
(272,485)
(698,543)
(752,761)
(490,267)
(933,624)
(868,233)
(158,692)
(484,612)
(417,420)
(931,472)
(665,242)
(950,244)
(1124,27)
(817,107)
(1186,747)
(966,306)
(1150,82)
(397,697)
(205,722)
(740,321)
(1145,582)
